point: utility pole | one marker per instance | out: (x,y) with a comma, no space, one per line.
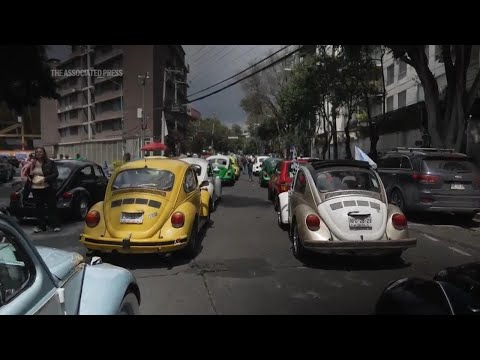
(143,79)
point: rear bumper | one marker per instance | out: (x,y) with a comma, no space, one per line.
(125,246)
(444,208)
(455,203)
(383,245)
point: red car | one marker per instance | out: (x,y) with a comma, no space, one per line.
(281,179)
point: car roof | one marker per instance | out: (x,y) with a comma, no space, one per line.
(75,163)
(195,161)
(339,163)
(173,165)
(219,157)
(424,152)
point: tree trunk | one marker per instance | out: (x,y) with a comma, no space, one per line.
(334,132)
(373,141)
(432,103)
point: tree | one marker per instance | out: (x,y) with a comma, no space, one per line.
(447,128)
(25,75)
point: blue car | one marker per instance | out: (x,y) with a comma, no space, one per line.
(46,281)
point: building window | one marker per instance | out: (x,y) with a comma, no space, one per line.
(98,127)
(402,69)
(74,130)
(390,103)
(74,114)
(402,99)
(390,74)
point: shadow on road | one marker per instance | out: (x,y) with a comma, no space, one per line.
(235,201)
(353,263)
(155,261)
(465,221)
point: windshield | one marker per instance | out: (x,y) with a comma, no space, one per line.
(334,180)
(144,178)
(63,173)
(219,161)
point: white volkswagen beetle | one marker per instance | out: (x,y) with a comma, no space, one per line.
(205,173)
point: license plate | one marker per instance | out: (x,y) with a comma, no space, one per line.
(360,222)
(458,187)
(131,218)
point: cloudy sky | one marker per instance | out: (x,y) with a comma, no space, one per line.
(210,64)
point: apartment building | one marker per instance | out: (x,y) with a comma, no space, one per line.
(111,100)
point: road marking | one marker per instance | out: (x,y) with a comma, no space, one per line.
(459,251)
(430,237)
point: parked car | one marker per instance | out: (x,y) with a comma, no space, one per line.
(281,180)
(453,291)
(45,281)
(268,167)
(7,171)
(236,166)
(205,174)
(223,168)
(150,206)
(80,184)
(433,180)
(257,165)
(341,207)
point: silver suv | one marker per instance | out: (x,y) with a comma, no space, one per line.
(430,179)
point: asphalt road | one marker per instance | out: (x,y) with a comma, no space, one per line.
(246,265)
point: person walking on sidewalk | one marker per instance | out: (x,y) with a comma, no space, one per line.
(44,174)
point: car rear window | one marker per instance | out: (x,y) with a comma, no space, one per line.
(328,180)
(144,178)
(449,165)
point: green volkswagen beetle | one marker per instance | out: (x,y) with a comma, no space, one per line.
(268,166)
(223,168)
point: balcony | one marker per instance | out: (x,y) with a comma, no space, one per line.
(101,58)
(70,123)
(69,108)
(107,115)
(108,95)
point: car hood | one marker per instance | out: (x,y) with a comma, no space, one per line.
(60,262)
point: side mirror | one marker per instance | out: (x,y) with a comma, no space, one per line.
(205,183)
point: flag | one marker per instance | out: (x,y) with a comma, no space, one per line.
(360,155)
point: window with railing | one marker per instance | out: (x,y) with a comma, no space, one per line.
(390,103)
(74,130)
(402,99)
(390,74)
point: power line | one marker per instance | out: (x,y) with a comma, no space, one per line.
(248,76)
(241,72)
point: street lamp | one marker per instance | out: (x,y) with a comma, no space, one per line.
(120,85)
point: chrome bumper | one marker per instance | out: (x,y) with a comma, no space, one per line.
(361,245)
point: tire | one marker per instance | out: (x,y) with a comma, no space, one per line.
(129,305)
(397,198)
(282,226)
(190,251)
(210,210)
(276,204)
(81,207)
(297,247)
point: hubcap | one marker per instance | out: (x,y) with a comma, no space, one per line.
(397,199)
(83,208)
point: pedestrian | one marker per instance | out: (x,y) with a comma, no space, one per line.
(250,161)
(61,156)
(244,164)
(25,175)
(78,157)
(44,174)
(127,157)
(67,157)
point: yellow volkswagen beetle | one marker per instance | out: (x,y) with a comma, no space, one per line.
(235,165)
(151,205)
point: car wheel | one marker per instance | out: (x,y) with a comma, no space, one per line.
(210,210)
(397,199)
(190,251)
(81,207)
(277,204)
(269,191)
(129,305)
(297,247)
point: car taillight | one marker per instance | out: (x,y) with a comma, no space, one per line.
(426,178)
(67,195)
(14,196)
(178,219)
(92,219)
(313,222)
(284,187)
(399,221)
